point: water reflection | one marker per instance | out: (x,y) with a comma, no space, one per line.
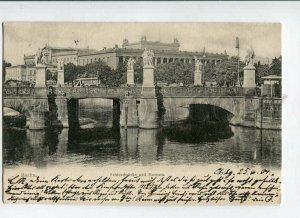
(169,145)
(189,132)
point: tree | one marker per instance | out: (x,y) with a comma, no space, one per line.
(225,73)
(98,69)
(175,72)
(72,71)
(119,75)
(4,65)
(260,71)
(275,68)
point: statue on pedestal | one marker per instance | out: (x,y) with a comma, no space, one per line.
(39,58)
(250,57)
(148,57)
(130,63)
(197,64)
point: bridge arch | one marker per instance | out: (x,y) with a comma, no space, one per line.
(180,107)
(206,113)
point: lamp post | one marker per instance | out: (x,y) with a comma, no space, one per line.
(237,46)
(204,56)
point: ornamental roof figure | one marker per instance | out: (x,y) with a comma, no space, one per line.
(125,41)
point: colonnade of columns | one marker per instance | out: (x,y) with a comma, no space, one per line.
(163,60)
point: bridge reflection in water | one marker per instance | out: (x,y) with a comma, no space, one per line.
(168,145)
(187,142)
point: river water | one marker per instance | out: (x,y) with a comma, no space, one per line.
(171,145)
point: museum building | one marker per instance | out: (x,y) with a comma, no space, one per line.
(163,53)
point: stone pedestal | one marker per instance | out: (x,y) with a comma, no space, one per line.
(249,77)
(148,76)
(130,77)
(147,111)
(62,111)
(60,77)
(40,80)
(37,114)
(129,113)
(198,78)
(148,88)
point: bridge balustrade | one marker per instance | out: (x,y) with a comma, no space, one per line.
(98,92)
(120,92)
(207,91)
(18,91)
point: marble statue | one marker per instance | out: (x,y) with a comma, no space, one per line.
(250,57)
(148,57)
(130,63)
(39,58)
(197,64)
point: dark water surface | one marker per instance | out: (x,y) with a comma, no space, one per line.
(172,145)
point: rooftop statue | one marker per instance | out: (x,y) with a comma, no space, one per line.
(125,41)
(197,64)
(130,63)
(148,57)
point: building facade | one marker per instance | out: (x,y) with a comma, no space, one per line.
(21,73)
(16,73)
(163,53)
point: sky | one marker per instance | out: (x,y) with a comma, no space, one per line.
(26,37)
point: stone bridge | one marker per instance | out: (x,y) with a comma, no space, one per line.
(148,107)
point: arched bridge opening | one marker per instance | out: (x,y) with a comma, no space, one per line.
(206,114)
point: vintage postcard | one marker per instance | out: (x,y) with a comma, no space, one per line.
(142,113)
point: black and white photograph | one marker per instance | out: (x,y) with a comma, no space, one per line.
(155,99)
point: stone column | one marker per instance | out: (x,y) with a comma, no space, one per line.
(129,113)
(148,76)
(147,109)
(40,80)
(198,76)
(155,61)
(60,77)
(249,76)
(37,114)
(130,77)
(161,60)
(62,111)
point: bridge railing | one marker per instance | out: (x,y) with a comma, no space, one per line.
(89,92)
(207,91)
(119,92)
(24,91)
